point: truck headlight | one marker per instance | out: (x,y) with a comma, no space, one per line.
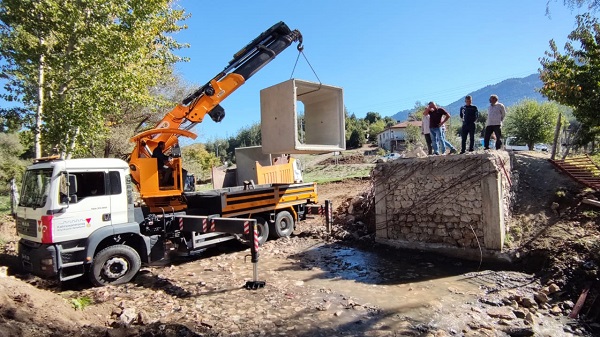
(47,262)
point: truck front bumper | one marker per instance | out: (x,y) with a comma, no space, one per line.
(38,259)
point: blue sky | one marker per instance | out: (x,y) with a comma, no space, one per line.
(386,55)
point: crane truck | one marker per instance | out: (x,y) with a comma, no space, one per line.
(78,217)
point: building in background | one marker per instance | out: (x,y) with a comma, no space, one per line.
(393,138)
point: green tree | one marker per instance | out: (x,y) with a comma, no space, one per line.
(389,121)
(218,146)
(249,136)
(372,117)
(573,78)
(11,166)
(417,113)
(170,91)
(481,122)
(198,161)
(356,139)
(376,128)
(355,124)
(73,65)
(591,5)
(532,122)
(414,137)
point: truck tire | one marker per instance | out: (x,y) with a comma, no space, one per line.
(283,226)
(114,265)
(263,229)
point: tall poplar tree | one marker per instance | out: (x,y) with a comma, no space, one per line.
(77,65)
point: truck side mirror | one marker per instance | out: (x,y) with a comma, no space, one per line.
(68,188)
(72,184)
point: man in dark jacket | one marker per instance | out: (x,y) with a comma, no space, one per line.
(469,115)
(163,163)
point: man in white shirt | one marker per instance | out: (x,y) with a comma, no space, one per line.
(425,132)
(496,114)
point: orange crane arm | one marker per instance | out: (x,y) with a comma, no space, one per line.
(206,99)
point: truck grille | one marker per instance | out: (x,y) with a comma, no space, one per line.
(26,227)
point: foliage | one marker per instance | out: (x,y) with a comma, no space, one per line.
(11,166)
(356,139)
(453,132)
(372,117)
(591,5)
(12,119)
(532,122)
(83,63)
(171,90)
(81,303)
(596,159)
(573,78)
(376,128)
(481,122)
(5,208)
(218,147)
(414,136)
(248,136)
(417,113)
(357,130)
(331,173)
(389,121)
(358,127)
(198,161)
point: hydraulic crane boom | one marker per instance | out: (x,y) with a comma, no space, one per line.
(205,100)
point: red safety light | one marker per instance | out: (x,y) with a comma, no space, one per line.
(47,228)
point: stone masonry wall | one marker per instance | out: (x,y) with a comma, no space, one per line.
(449,201)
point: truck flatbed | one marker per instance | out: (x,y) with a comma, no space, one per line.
(240,200)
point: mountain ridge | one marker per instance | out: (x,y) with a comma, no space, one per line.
(509,91)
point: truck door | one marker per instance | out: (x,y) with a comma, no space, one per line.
(87,207)
(118,197)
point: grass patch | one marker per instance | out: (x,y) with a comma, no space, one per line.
(332,173)
(4,205)
(590,214)
(81,303)
(204,187)
(596,159)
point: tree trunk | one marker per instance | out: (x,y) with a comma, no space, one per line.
(556,134)
(37,136)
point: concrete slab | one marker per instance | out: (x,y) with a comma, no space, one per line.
(322,128)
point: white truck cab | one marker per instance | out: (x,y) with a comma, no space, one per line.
(64,205)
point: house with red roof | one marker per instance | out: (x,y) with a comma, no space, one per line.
(393,138)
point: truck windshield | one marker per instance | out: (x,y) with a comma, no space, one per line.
(36,186)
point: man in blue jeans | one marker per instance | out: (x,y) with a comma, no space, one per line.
(437,118)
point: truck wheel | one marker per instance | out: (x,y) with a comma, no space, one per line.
(115,265)
(283,225)
(263,229)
